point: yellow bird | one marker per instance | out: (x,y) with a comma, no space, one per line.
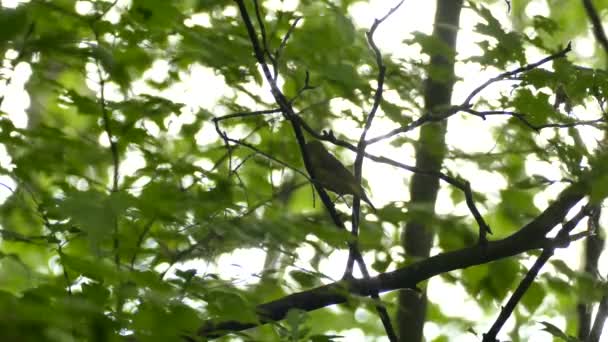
(331,174)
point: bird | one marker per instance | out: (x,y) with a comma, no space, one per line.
(331,174)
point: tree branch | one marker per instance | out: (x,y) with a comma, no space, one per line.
(529,237)
(596,22)
(525,284)
(290,115)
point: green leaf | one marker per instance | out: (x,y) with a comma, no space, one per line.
(533,297)
(116,68)
(84,104)
(305,279)
(89,212)
(535,107)
(13,22)
(95,213)
(558,333)
(230,304)
(326,338)
(155,14)
(503,275)
(432,45)
(99,270)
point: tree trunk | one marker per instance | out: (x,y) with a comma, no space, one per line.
(417,237)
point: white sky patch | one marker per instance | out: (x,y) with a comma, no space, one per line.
(470,134)
(103,139)
(12,3)
(114,14)
(305,253)
(548,170)
(137,187)
(112,91)
(84,7)
(204,164)
(7,188)
(151,127)
(16,99)
(240,265)
(79,183)
(386,183)
(6,162)
(333,266)
(173,125)
(584,46)
(537,8)
(410,17)
(158,72)
(440,291)
(230,11)
(132,161)
(198,87)
(206,135)
(431,331)
(282,5)
(199,19)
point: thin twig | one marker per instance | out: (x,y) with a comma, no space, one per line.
(598,323)
(360,150)
(380,308)
(277,54)
(106,10)
(596,22)
(560,240)
(107,126)
(260,18)
(466,104)
(462,185)
(425,118)
(306,86)
(291,116)
(229,149)
(522,117)
(48,225)
(247,114)
(227,139)
(140,240)
(560,54)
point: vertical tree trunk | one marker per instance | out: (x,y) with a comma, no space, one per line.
(417,237)
(593,248)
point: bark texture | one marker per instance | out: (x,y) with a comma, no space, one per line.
(417,236)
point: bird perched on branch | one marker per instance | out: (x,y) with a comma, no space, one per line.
(331,174)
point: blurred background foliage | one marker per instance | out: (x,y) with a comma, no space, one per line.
(116,183)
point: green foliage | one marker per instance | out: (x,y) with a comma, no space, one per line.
(123,202)
(556,332)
